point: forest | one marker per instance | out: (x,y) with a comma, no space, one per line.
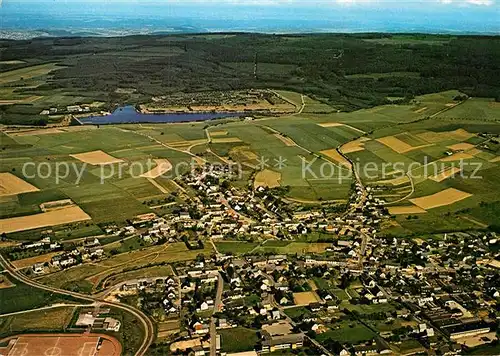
(346,71)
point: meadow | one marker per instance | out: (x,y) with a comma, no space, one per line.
(238,340)
(48,320)
(23,297)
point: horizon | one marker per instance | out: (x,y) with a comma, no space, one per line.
(267,16)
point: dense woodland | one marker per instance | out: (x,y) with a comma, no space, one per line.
(342,70)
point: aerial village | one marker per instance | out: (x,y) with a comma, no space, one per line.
(362,295)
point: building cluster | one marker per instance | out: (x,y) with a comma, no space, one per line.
(98,320)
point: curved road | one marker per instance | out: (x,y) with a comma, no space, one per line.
(149,331)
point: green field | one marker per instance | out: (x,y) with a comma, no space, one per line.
(24,297)
(238,340)
(348,333)
(236,247)
(49,320)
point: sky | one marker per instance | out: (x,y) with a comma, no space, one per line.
(477,16)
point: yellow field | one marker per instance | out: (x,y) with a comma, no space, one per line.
(267,179)
(29,99)
(397,145)
(51,130)
(96,158)
(55,205)
(447,173)
(244,153)
(286,140)
(461,146)
(15,61)
(443,198)
(438,137)
(226,140)
(218,133)
(5,282)
(187,143)
(337,124)
(165,329)
(355,146)
(12,185)
(305,298)
(406,210)
(396,181)
(27,73)
(331,124)
(474,151)
(460,134)
(27,262)
(162,167)
(496,159)
(457,157)
(57,217)
(337,157)
(420,110)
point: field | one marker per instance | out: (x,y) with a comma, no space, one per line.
(406,210)
(23,297)
(267,179)
(285,247)
(96,158)
(235,247)
(12,185)
(398,145)
(443,198)
(64,344)
(445,174)
(61,216)
(54,319)
(28,262)
(348,333)
(238,340)
(336,156)
(5,282)
(305,298)
(162,167)
(27,73)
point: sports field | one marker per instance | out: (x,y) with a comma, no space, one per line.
(64,344)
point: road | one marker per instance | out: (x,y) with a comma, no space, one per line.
(217,308)
(361,202)
(149,331)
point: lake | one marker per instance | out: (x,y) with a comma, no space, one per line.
(128,114)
